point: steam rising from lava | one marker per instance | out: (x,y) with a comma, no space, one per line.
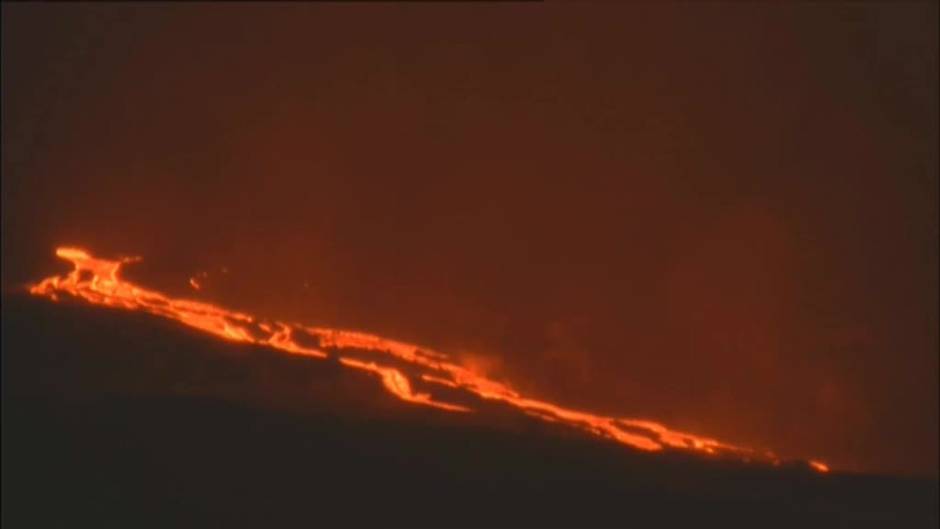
(98,281)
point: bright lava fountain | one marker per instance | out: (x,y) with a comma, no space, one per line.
(98,281)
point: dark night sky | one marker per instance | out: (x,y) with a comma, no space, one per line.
(724,217)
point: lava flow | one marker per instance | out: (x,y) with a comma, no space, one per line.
(98,281)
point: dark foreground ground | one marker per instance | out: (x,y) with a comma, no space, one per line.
(114,419)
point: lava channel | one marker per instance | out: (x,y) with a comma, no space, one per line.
(98,281)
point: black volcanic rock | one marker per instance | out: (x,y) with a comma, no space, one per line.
(120,419)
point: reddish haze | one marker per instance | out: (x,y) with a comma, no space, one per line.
(722,217)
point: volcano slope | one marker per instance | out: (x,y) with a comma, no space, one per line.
(123,419)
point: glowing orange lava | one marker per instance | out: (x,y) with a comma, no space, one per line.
(98,281)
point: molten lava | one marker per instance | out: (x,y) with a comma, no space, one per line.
(98,281)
